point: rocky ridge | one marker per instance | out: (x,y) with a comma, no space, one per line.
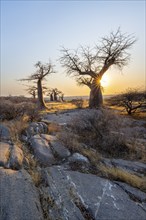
(53,190)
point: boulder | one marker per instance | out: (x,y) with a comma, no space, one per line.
(34,129)
(16,158)
(19,197)
(5,149)
(59,149)
(4,133)
(77,195)
(42,151)
(76,157)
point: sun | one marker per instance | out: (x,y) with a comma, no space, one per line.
(104,81)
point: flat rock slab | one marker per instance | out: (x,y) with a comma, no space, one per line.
(136,194)
(42,150)
(64,117)
(4,153)
(86,196)
(19,198)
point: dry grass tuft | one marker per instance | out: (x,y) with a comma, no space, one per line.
(53,128)
(32,165)
(121,175)
(16,127)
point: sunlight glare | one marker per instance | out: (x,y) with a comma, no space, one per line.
(104,81)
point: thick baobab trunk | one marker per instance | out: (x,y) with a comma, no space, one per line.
(55,96)
(96,98)
(51,97)
(34,95)
(41,102)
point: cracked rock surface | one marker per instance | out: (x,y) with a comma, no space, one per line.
(19,197)
(86,196)
(43,180)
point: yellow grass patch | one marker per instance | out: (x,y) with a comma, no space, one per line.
(124,176)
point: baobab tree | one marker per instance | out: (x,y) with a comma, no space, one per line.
(61,96)
(42,71)
(55,94)
(88,65)
(32,90)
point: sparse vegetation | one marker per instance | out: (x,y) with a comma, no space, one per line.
(79,103)
(16,127)
(93,128)
(20,108)
(132,100)
(118,174)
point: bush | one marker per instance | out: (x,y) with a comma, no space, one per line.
(78,103)
(10,110)
(131,100)
(93,128)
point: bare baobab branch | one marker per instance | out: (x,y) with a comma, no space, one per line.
(88,65)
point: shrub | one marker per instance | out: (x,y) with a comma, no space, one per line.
(7,110)
(131,100)
(10,110)
(16,127)
(93,129)
(79,103)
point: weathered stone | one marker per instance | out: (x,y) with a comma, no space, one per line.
(4,133)
(5,149)
(77,194)
(62,206)
(64,118)
(76,157)
(34,129)
(19,198)
(16,158)
(59,149)
(136,194)
(42,150)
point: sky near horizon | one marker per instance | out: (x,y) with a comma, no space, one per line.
(34,31)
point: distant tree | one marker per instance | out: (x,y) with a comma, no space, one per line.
(55,94)
(61,96)
(42,71)
(32,90)
(131,100)
(88,65)
(50,94)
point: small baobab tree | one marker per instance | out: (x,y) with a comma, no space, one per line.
(32,90)
(88,65)
(55,94)
(42,71)
(61,96)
